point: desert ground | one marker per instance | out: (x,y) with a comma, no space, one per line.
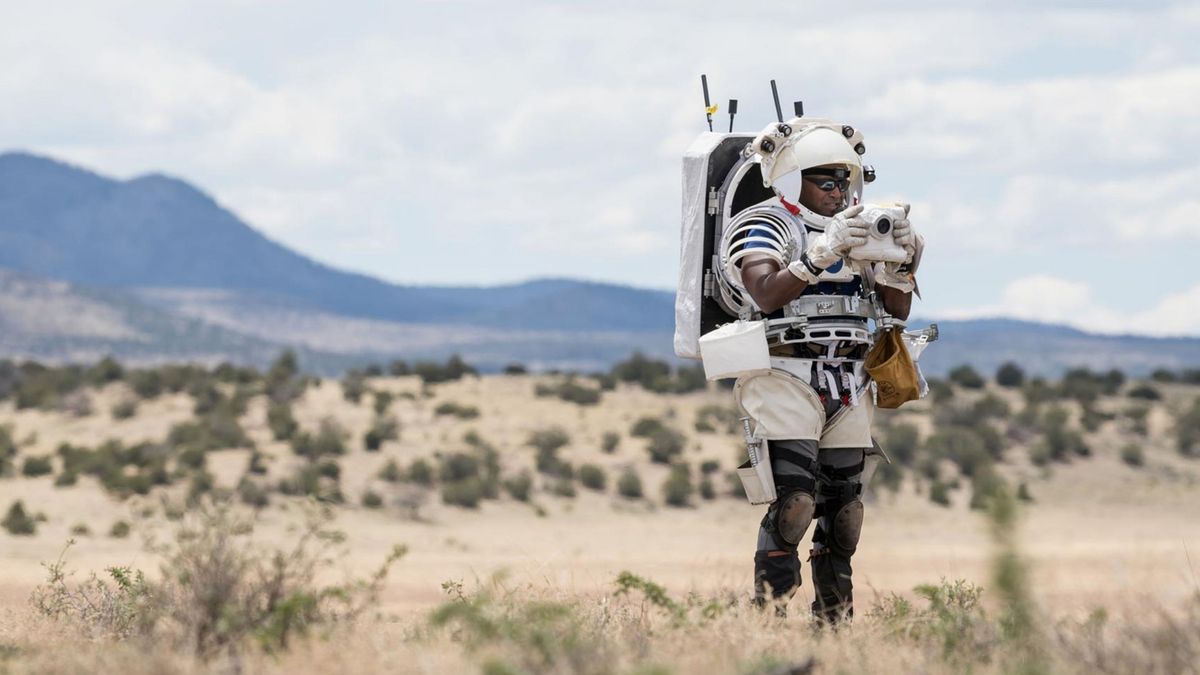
(1096,532)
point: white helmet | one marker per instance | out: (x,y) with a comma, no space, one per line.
(804,144)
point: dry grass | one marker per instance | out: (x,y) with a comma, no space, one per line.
(1095,576)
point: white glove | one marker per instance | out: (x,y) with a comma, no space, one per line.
(903,233)
(843,233)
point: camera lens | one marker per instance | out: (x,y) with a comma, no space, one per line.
(883,225)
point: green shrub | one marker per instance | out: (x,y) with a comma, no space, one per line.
(709,466)
(66,478)
(81,530)
(458,466)
(966,377)
(279,418)
(991,407)
(665,444)
(313,480)
(18,522)
(646,427)
(383,401)
(629,485)
(1145,392)
(420,472)
(1010,375)
(354,385)
(432,373)
(610,441)
(985,485)
(716,417)
(252,494)
(257,463)
(37,465)
(398,368)
(593,477)
(382,429)
(119,530)
(901,442)
(450,408)
(569,390)
(329,440)
(940,390)
(519,486)
(465,493)
(1187,430)
(707,491)
(548,439)
(390,472)
(1133,455)
(124,409)
(677,489)
(939,493)
(372,500)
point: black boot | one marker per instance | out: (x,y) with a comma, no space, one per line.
(780,574)
(832,586)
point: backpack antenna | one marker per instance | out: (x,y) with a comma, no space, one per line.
(775,95)
(709,108)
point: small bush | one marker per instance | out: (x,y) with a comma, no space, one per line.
(220,591)
(252,493)
(432,373)
(420,472)
(939,493)
(354,385)
(372,500)
(1187,430)
(677,489)
(391,472)
(382,429)
(1145,392)
(81,530)
(629,485)
(966,377)
(707,491)
(569,390)
(124,409)
(610,441)
(463,412)
(901,443)
(593,477)
(329,440)
(18,522)
(1010,375)
(665,444)
(465,493)
(119,530)
(519,486)
(383,401)
(37,465)
(1133,455)
(646,427)
(279,418)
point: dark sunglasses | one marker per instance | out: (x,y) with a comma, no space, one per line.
(827,184)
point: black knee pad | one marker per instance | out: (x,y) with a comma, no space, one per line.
(845,527)
(793,514)
(779,573)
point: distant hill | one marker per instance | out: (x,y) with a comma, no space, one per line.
(63,222)
(157,270)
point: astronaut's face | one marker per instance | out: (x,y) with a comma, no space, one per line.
(824,193)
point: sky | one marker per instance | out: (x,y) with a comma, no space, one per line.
(1051,151)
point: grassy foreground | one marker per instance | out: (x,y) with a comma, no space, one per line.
(222,602)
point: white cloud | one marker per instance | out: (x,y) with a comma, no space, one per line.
(533,138)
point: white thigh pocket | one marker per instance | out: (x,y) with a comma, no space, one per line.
(851,427)
(782,407)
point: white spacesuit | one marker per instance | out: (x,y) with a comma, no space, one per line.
(808,271)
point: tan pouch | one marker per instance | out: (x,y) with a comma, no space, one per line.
(892,369)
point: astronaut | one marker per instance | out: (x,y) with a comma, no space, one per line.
(814,407)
